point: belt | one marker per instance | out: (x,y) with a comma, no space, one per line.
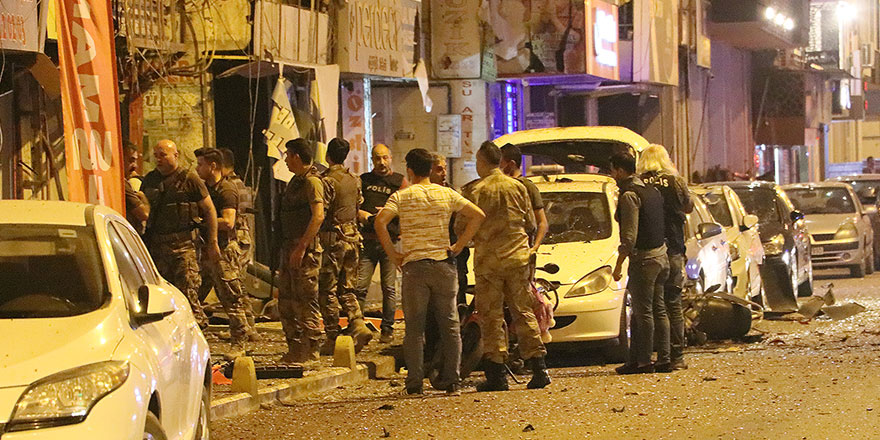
(174,236)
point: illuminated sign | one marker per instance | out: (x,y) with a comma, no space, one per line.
(605,38)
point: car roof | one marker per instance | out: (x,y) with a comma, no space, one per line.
(45,212)
(706,189)
(745,184)
(826,184)
(595,133)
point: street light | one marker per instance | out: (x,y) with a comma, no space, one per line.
(846,12)
(779,19)
(769,13)
(789,24)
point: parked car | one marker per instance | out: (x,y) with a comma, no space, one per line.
(97,344)
(741,232)
(867,188)
(707,250)
(840,229)
(787,271)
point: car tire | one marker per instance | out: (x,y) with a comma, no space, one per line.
(869,263)
(203,427)
(618,353)
(857,271)
(153,428)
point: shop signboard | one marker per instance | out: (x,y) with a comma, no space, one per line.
(449,135)
(19,25)
(602,54)
(377,37)
(456,52)
(291,34)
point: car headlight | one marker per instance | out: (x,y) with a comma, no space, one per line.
(847,231)
(594,282)
(734,251)
(775,245)
(67,397)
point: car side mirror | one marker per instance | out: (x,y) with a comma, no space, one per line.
(749,222)
(156,303)
(797,216)
(870,209)
(708,230)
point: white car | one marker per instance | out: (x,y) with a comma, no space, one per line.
(741,232)
(97,344)
(707,250)
(582,240)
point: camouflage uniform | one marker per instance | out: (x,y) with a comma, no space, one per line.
(501,266)
(298,287)
(341,242)
(224,274)
(171,230)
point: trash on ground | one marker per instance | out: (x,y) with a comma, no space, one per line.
(843,311)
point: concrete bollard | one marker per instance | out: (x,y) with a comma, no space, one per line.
(244,376)
(343,353)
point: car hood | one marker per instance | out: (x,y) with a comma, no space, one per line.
(828,223)
(45,346)
(575,259)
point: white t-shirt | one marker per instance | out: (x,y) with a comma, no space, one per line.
(425,211)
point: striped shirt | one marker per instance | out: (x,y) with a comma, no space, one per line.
(425,211)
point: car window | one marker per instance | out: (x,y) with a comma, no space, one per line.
(139,254)
(576,216)
(760,202)
(822,200)
(867,190)
(50,271)
(718,207)
(129,274)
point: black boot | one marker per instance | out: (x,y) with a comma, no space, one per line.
(540,377)
(496,378)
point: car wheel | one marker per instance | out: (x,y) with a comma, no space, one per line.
(806,288)
(869,263)
(203,429)
(857,271)
(618,353)
(153,428)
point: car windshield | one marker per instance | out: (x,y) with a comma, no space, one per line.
(576,156)
(760,202)
(822,200)
(576,216)
(866,190)
(49,271)
(717,205)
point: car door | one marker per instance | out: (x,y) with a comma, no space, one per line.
(163,338)
(713,250)
(799,234)
(749,241)
(864,226)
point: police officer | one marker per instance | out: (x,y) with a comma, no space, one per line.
(501,266)
(225,273)
(302,213)
(377,186)
(643,241)
(341,241)
(243,220)
(656,169)
(177,198)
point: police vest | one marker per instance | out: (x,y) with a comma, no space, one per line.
(296,211)
(376,190)
(173,207)
(673,211)
(651,230)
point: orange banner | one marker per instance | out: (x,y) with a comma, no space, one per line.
(90,95)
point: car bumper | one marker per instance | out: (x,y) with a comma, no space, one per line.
(589,318)
(119,415)
(837,253)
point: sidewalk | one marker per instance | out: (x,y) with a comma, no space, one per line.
(375,361)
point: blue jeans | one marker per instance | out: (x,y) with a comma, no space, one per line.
(371,255)
(650,324)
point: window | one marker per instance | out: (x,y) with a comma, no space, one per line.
(129,274)
(139,254)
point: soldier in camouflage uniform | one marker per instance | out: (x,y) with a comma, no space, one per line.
(224,274)
(501,266)
(302,213)
(177,198)
(341,242)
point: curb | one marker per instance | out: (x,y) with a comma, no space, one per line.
(243,403)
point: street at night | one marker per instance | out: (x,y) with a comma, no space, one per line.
(802,380)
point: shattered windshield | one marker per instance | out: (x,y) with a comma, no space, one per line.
(576,216)
(760,202)
(49,271)
(717,205)
(822,200)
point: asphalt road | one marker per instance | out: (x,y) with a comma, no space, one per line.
(803,380)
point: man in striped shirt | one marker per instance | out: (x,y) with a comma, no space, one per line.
(428,264)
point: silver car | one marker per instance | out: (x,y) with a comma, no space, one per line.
(839,227)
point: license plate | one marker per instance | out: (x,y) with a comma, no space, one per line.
(818,250)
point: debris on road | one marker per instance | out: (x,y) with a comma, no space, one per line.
(530,428)
(386,407)
(843,311)
(811,307)
(709,379)
(618,410)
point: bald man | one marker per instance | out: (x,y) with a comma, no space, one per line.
(178,198)
(376,187)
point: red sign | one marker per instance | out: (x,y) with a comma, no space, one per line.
(89,93)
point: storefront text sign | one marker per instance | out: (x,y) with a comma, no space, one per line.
(19,25)
(602,55)
(377,37)
(455,39)
(89,90)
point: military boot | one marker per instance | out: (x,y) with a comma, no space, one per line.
(311,350)
(329,346)
(360,334)
(496,378)
(294,353)
(540,377)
